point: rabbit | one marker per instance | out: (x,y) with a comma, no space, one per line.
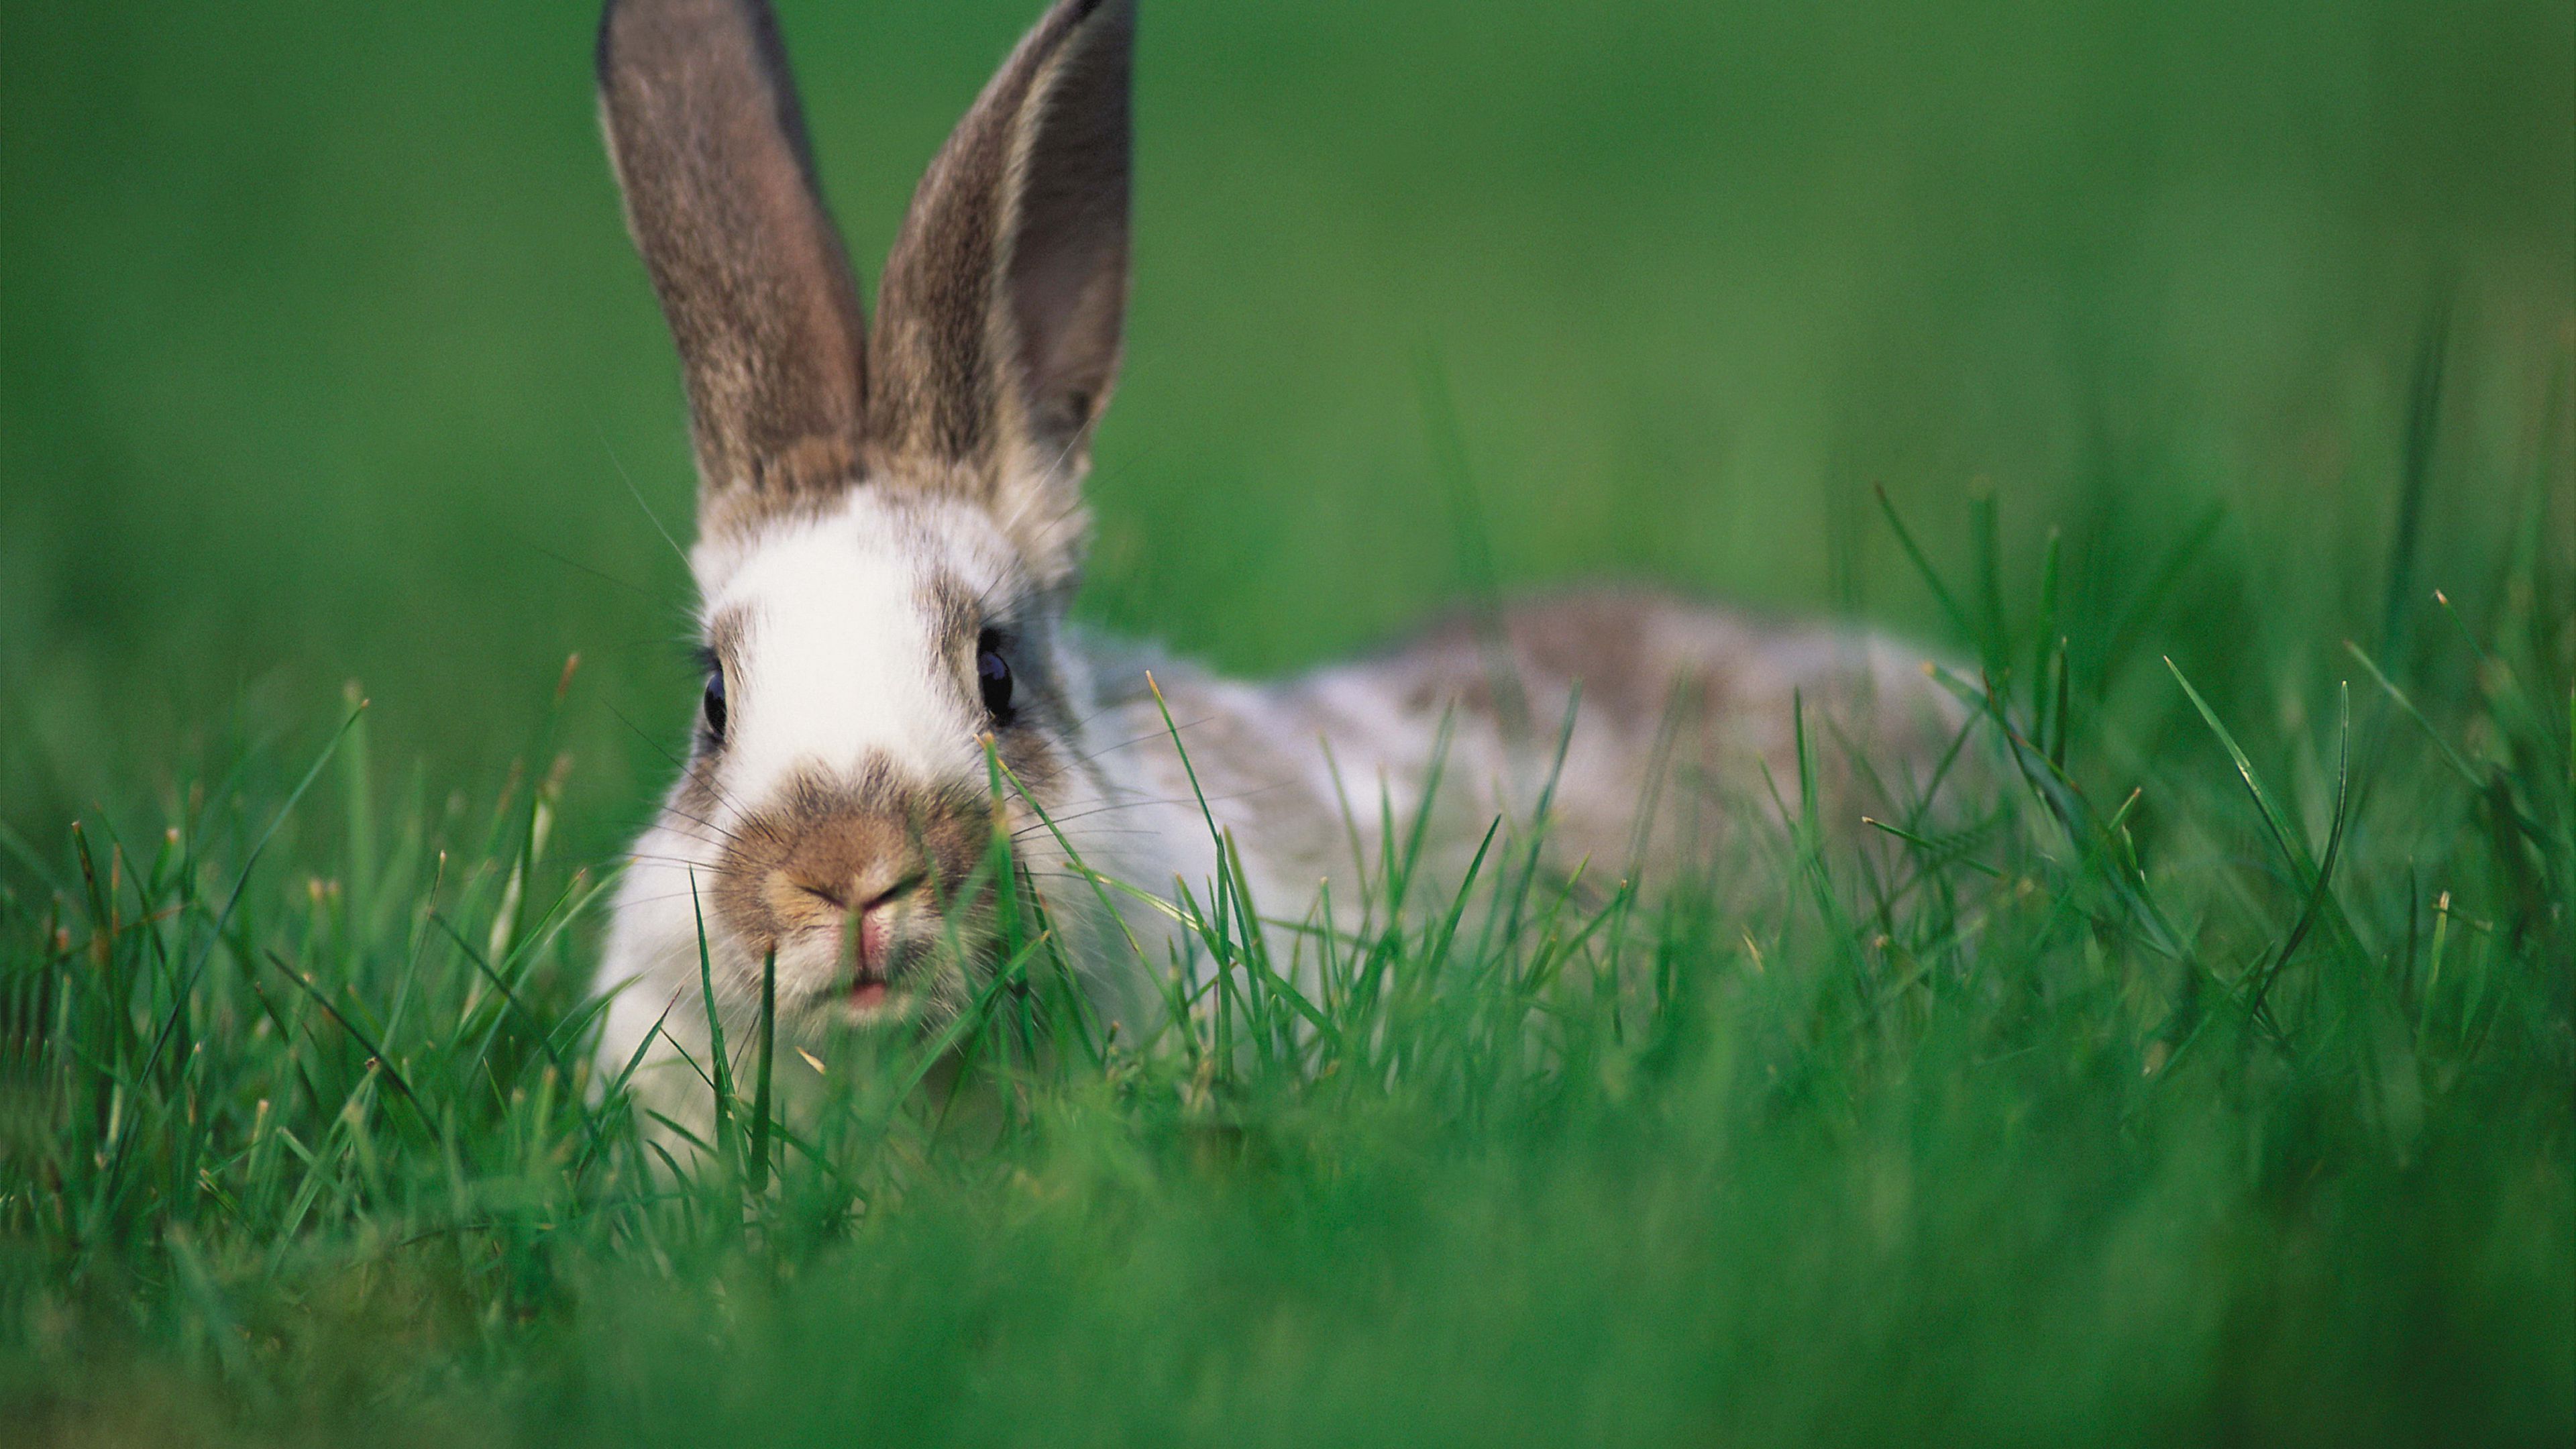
(890,531)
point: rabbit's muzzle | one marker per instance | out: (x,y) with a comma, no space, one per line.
(857,885)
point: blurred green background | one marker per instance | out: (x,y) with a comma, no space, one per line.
(322,352)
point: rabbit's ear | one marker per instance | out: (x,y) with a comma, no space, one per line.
(709,145)
(998,326)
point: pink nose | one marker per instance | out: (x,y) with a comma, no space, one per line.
(874,950)
(876,938)
(872,925)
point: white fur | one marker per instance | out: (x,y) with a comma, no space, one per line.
(835,652)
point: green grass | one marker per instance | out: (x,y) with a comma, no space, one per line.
(2186,1098)
(2221,1086)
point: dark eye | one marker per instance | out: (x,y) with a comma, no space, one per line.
(714,705)
(993,676)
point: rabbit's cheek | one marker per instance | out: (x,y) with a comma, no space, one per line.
(810,969)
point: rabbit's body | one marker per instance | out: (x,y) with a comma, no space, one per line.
(891,528)
(1673,705)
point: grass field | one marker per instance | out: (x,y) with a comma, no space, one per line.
(2218,364)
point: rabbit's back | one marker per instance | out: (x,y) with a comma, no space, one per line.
(1684,729)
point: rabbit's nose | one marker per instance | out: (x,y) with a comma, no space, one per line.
(845,849)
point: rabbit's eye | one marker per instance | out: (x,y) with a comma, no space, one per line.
(713,705)
(993,676)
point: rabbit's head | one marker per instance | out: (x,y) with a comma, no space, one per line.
(889,521)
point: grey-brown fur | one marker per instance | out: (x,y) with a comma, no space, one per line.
(1684,734)
(709,144)
(830,841)
(1003,298)
(1005,293)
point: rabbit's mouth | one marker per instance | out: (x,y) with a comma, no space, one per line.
(874,964)
(878,951)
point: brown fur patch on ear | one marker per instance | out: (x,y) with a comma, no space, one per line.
(999,317)
(934,395)
(1065,286)
(710,151)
